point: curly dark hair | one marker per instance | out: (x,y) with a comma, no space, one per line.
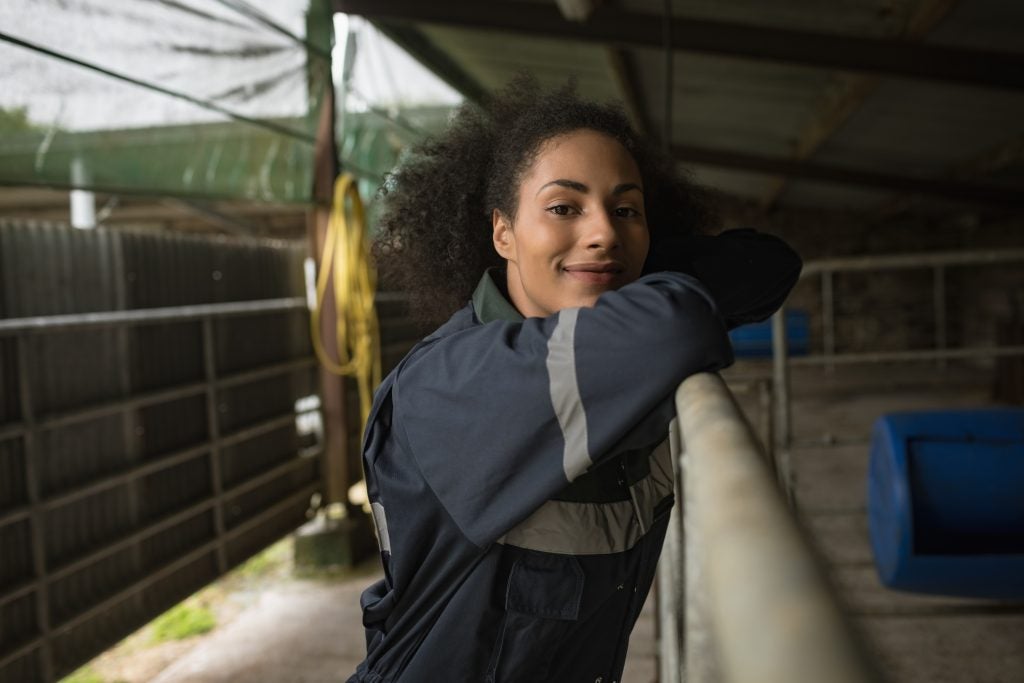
(434,235)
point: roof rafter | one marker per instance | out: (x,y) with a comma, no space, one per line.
(616,27)
(854,90)
(624,73)
(423,49)
(991,161)
(947,189)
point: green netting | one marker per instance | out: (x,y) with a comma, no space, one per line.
(209,98)
(200,98)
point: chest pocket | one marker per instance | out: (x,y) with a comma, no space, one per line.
(541,607)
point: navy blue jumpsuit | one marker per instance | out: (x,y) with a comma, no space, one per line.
(520,474)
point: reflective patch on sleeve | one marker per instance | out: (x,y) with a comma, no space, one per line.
(565,394)
(381,522)
(572,528)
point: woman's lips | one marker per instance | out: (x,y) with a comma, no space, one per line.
(600,273)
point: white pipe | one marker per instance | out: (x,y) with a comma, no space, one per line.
(773,614)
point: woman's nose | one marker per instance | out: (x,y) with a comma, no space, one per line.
(601,232)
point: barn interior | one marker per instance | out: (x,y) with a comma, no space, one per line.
(166,174)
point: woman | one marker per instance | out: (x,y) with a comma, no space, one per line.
(517,459)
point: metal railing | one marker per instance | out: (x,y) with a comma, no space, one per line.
(828,358)
(741,595)
(938,262)
(45,572)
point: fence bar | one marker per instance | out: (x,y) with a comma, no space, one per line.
(164,571)
(53,323)
(774,616)
(166,395)
(916,260)
(912,355)
(163,523)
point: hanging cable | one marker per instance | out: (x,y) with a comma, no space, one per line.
(669,85)
(345,264)
(199,102)
(255,14)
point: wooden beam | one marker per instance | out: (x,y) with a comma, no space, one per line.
(611,26)
(853,91)
(946,189)
(624,73)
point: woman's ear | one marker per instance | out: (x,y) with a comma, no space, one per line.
(503,237)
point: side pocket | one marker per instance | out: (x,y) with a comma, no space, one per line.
(542,603)
(377,602)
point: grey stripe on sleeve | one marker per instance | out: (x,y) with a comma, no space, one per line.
(381,522)
(565,394)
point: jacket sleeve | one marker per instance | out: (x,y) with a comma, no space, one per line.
(502,416)
(748,273)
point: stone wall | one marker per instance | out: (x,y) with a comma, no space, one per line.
(894,310)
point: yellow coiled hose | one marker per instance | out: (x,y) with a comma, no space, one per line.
(346,262)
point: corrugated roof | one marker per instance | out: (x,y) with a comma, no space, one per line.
(853,104)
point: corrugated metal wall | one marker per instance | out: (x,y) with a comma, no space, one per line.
(140,459)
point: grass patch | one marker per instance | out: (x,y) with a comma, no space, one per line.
(183,621)
(84,675)
(275,560)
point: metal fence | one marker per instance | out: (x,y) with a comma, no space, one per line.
(939,263)
(145,447)
(741,597)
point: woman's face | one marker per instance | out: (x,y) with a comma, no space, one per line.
(580,228)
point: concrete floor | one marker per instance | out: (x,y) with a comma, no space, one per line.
(309,631)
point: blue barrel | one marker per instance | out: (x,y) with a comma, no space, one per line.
(755,340)
(946,502)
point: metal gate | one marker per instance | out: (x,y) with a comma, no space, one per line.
(148,438)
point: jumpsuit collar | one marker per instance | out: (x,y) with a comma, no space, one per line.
(489,301)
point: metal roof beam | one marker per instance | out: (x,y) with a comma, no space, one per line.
(946,189)
(624,72)
(616,27)
(854,90)
(423,49)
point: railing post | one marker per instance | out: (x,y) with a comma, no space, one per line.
(939,303)
(700,663)
(36,522)
(780,399)
(670,602)
(213,427)
(828,319)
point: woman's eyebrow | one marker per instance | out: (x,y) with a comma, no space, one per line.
(563,182)
(580,187)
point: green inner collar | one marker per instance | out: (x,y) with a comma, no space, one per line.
(490,303)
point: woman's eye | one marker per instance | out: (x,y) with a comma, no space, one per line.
(626,212)
(560,209)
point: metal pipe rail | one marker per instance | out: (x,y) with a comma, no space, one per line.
(757,605)
(825,269)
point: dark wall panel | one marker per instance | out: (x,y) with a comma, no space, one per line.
(140,459)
